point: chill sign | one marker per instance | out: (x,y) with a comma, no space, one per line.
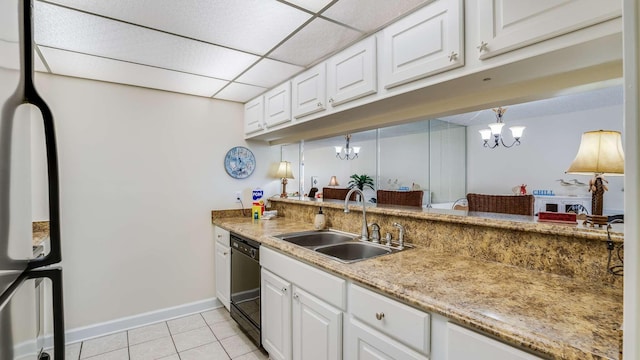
(257,194)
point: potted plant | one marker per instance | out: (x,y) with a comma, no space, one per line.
(361,181)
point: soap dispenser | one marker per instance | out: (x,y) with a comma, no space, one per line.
(319,221)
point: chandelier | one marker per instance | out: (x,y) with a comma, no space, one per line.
(495,132)
(347,153)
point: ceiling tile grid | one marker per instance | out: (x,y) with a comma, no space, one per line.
(256,44)
(247,25)
(96,68)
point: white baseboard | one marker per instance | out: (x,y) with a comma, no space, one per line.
(130,322)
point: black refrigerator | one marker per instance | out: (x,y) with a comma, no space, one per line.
(20,271)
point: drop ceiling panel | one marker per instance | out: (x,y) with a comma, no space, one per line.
(240,92)
(268,73)
(370,15)
(316,40)
(255,26)
(66,29)
(96,68)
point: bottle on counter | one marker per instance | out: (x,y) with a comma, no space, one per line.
(320,221)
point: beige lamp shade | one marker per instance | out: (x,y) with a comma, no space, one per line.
(600,152)
(284,170)
(333,181)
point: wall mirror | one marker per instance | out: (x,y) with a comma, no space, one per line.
(445,157)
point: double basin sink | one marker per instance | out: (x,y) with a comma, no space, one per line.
(341,246)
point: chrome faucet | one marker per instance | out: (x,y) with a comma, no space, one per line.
(365,230)
(400,236)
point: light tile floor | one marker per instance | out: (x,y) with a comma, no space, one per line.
(208,335)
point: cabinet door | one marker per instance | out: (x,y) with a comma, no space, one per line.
(253,115)
(276,316)
(464,344)
(309,91)
(317,328)
(277,105)
(364,343)
(506,25)
(424,43)
(351,74)
(223,273)
(222,236)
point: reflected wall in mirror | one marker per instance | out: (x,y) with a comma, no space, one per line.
(554,129)
(446,159)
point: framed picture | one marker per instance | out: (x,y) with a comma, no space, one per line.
(314,181)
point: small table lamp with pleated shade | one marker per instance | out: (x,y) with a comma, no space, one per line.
(600,154)
(284,172)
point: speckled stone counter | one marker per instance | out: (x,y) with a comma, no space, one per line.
(40,230)
(555,316)
(575,251)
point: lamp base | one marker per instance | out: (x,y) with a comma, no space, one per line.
(597,196)
(284,188)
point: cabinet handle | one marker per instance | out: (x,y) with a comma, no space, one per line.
(331,100)
(453,56)
(295,296)
(225,253)
(319,104)
(219,236)
(284,290)
(483,47)
(380,315)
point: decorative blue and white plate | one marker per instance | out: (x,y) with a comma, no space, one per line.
(239,162)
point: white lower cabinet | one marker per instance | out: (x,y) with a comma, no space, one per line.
(300,317)
(464,344)
(223,266)
(275,300)
(317,328)
(364,343)
(382,328)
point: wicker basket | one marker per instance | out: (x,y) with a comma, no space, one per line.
(506,204)
(404,198)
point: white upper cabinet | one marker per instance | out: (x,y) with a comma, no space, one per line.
(277,105)
(254,115)
(309,92)
(425,43)
(508,25)
(351,74)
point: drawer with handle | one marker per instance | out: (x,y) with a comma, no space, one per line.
(400,322)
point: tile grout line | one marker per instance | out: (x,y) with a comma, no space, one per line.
(172,341)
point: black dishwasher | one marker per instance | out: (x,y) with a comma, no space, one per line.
(245,285)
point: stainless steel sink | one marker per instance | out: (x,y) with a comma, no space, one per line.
(354,251)
(313,239)
(339,245)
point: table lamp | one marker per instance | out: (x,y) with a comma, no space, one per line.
(284,172)
(600,153)
(333,181)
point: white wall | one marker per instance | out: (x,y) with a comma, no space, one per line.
(140,172)
(549,145)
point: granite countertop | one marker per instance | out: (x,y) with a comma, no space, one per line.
(40,230)
(495,220)
(552,315)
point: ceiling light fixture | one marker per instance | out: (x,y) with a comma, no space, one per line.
(495,131)
(347,153)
